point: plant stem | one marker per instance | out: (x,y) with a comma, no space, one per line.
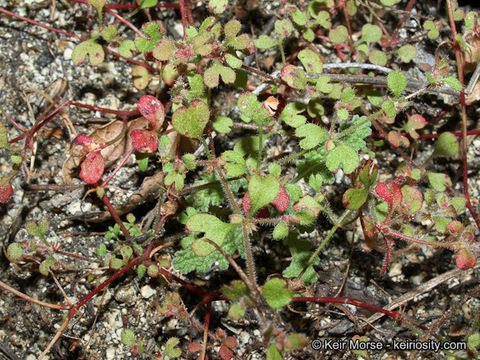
(282,52)
(115,216)
(324,242)
(459,58)
(249,255)
(260,147)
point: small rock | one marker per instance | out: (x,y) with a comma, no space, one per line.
(147,291)
(395,270)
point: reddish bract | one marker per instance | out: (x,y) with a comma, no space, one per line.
(92,168)
(280,203)
(152,110)
(144,140)
(393,197)
(6,191)
(89,145)
(465,259)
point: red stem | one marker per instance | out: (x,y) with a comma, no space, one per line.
(128,6)
(429,136)
(459,58)
(116,275)
(330,300)
(184,19)
(33,22)
(119,166)
(115,216)
(393,40)
(114,53)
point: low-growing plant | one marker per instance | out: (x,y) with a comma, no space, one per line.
(290,147)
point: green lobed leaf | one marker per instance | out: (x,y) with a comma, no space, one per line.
(353,199)
(312,134)
(236,290)
(164,50)
(186,261)
(223,124)
(439,181)
(397,82)
(343,155)
(251,109)
(262,191)
(144,4)
(273,353)
(125,48)
(407,53)
(3,137)
(14,251)
(141,77)
(323,84)
(280,231)
(217,6)
(289,114)
(265,42)
(299,18)
(171,348)
(453,82)
(128,337)
(235,164)
(233,61)
(283,28)
(433,32)
(412,197)
(214,229)
(109,32)
(446,145)
(92,49)
(294,77)
(213,73)
(323,19)
(276,293)
(377,57)
(310,61)
(371,33)
(191,121)
(338,34)
(299,249)
(389,107)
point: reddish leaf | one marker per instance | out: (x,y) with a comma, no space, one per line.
(92,167)
(369,232)
(152,109)
(231,342)
(6,189)
(88,143)
(144,140)
(194,347)
(281,202)
(465,259)
(225,353)
(393,196)
(246,204)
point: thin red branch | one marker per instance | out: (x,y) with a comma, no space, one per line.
(459,58)
(393,39)
(330,300)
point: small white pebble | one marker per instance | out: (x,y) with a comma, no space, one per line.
(146,291)
(395,270)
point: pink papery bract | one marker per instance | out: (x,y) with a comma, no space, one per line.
(92,167)
(152,109)
(144,141)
